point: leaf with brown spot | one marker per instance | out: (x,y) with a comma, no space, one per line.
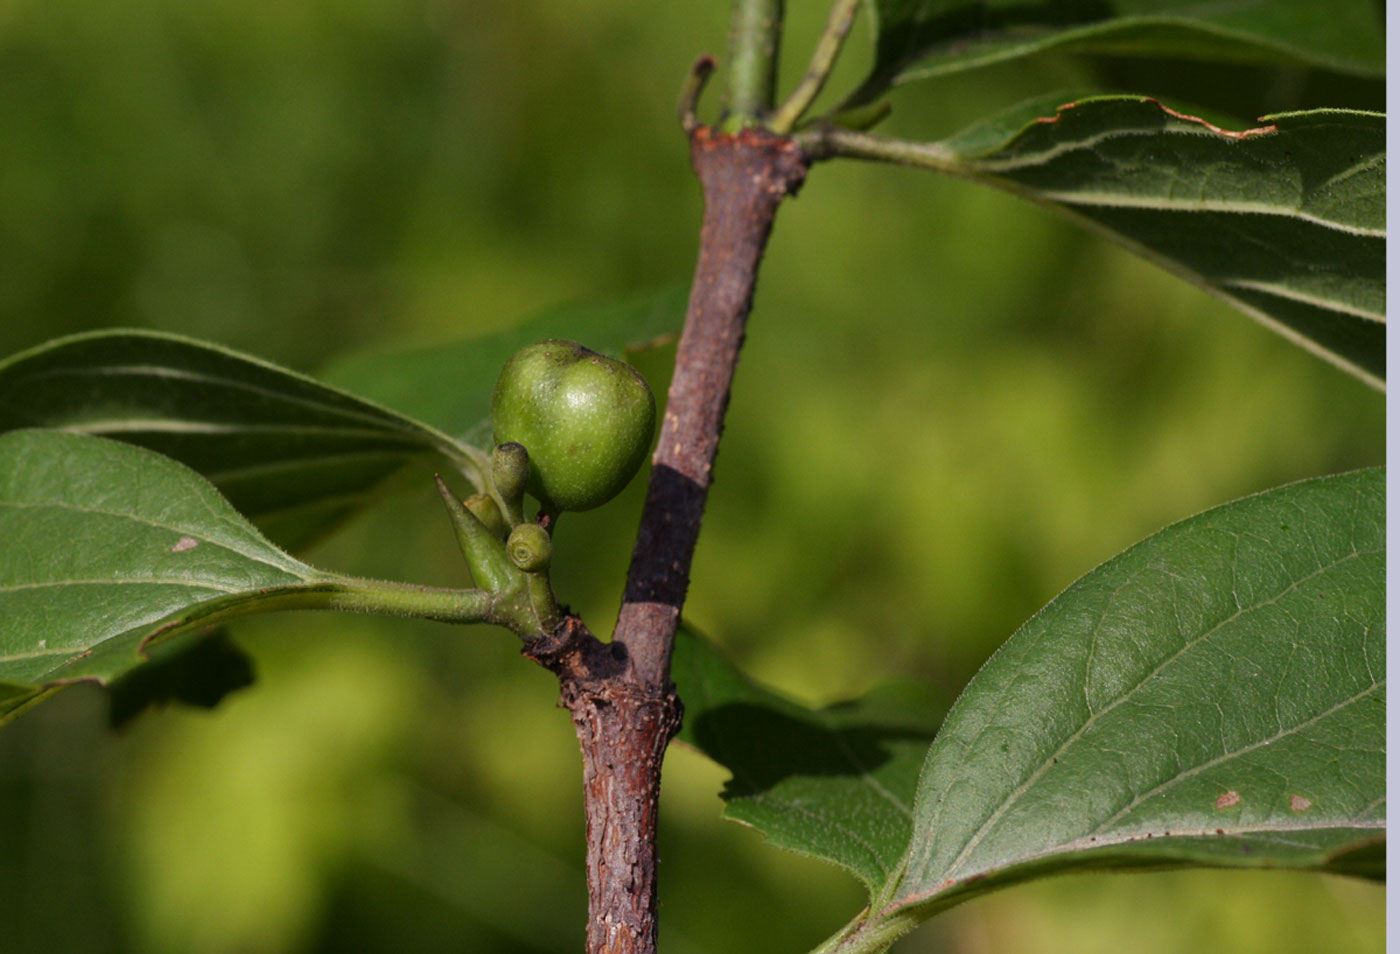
(100,561)
(1228,800)
(1192,674)
(1284,218)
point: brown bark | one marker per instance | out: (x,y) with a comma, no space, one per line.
(620,696)
(623,730)
(744,177)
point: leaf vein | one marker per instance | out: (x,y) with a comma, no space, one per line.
(292,567)
(1089,722)
(1227,756)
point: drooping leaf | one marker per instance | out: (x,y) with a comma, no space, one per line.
(1285,221)
(1213,696)
(108,546)
(107,549)
(468,367)
(288,451)
(836,783)
(199,671)
(916,39)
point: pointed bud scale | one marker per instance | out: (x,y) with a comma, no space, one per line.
(480,548)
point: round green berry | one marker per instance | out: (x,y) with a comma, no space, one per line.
(585,419)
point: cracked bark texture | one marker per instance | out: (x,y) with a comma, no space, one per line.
(620,695)
(623,732)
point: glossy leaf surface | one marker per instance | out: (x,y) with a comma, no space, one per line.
(287,450)
(1286,220)
(836,783)
(1213,696)
(915,39)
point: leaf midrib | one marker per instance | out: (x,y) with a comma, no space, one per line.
(1159,203)
(194,584)
(291,567)
(190,425)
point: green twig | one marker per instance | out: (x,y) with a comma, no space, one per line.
(543,605)
(527,609)
(754,30)
(690,92)
(828,48)
(868,935)
(828,142)
(347,594)
(384,598)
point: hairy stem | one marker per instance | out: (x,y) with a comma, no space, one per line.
(827,142)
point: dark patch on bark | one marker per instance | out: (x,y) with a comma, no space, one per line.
(744,177)
(624,707)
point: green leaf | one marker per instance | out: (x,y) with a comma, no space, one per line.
(916,39)
(288,451)
(1213,696)
(468,367)
(110,549)
(835,783)
(196,672)
(1285,221)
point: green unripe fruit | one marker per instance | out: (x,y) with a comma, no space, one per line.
(586,419)
(529,547)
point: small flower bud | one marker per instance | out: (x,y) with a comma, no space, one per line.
(529,547)
(510,470)
(484,508)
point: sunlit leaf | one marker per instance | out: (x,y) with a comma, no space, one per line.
(1286,220)
(109,546)
(110,549)
(1213,696)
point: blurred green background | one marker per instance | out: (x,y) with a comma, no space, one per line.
(950,406)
